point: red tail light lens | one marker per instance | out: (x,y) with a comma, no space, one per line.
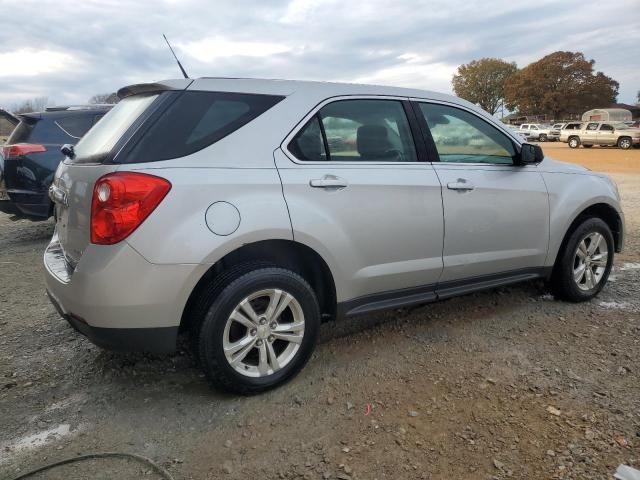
(20,149)
(121,202)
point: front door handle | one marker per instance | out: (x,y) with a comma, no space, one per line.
(329,181)
(462,185)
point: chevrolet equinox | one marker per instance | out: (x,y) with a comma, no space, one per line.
(246,212)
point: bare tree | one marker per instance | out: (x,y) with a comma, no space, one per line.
(37,104)
(104,98)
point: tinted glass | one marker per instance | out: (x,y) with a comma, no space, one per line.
(606,127)
(462,137)
(308,144)
(367,131)
(40,131)
(99,141)
(75,125)
(196,120)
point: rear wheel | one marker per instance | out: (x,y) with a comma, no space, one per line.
(583,266)
(542,138)
(574,142)
(260,331)
(624,143)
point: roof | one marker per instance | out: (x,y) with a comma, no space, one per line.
(609,110)
(283,87)
(288,87)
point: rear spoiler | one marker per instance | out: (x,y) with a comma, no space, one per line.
(157,87)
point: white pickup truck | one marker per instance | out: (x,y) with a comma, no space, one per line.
(536,131)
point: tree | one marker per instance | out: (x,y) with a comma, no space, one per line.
(31,105)
(104,98)
(560,83)
(482,82)
(638,97)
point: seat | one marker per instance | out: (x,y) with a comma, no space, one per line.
(373,143)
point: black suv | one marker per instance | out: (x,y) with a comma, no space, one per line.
(29,159)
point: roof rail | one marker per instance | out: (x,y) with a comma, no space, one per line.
(78,107)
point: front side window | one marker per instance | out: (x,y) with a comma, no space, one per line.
(461,137)
(357,131)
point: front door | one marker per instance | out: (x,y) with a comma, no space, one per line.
(360,196)
(496,214)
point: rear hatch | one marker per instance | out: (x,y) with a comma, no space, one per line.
(72,188)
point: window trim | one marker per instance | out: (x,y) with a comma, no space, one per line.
(418,140)
(517,143)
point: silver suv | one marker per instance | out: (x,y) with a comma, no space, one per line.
(246,212)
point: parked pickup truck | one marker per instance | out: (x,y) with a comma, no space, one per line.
(536,131)
(602,133)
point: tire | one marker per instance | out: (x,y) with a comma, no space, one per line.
(542,138)
(624,143)
(574,142)
(255,370)
(565,283)
(587,146)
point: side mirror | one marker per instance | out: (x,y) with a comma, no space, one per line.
(530,154)
(67,151)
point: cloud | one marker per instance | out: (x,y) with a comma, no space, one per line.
(71,50)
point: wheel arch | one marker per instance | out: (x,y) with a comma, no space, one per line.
(288,254)
(601,210)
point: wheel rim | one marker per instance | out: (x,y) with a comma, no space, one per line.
(263,333)
(573,143)
(590,261)
(625,143)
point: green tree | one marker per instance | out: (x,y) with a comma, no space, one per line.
(560,83)
(482,82)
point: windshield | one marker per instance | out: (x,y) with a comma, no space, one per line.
(99,141)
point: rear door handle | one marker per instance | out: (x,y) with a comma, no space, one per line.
(462,185)
(329,181)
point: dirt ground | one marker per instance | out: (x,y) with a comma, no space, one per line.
(507,383)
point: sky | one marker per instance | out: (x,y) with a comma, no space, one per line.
(68,50)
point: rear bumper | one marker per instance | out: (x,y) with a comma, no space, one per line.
(117,299)
(152,340)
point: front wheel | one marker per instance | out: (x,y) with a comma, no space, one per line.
(259,332)
(583,266)
(542,138)
(624,143)
(574,142)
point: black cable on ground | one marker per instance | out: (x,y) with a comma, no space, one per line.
(164,473)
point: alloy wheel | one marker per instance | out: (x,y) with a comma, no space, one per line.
(590,261)
(263,333)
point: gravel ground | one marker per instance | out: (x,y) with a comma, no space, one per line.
(507,383)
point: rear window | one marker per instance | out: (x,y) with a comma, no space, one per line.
(196,120)
(48,130)
(75,125)
(99,141)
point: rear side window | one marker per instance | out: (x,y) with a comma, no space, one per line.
(196,120)
(606,127)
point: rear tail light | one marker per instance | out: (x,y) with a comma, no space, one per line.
(121,202)
(20,149)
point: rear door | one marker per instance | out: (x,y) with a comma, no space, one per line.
(606,134)
(496,214)
(361,194)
